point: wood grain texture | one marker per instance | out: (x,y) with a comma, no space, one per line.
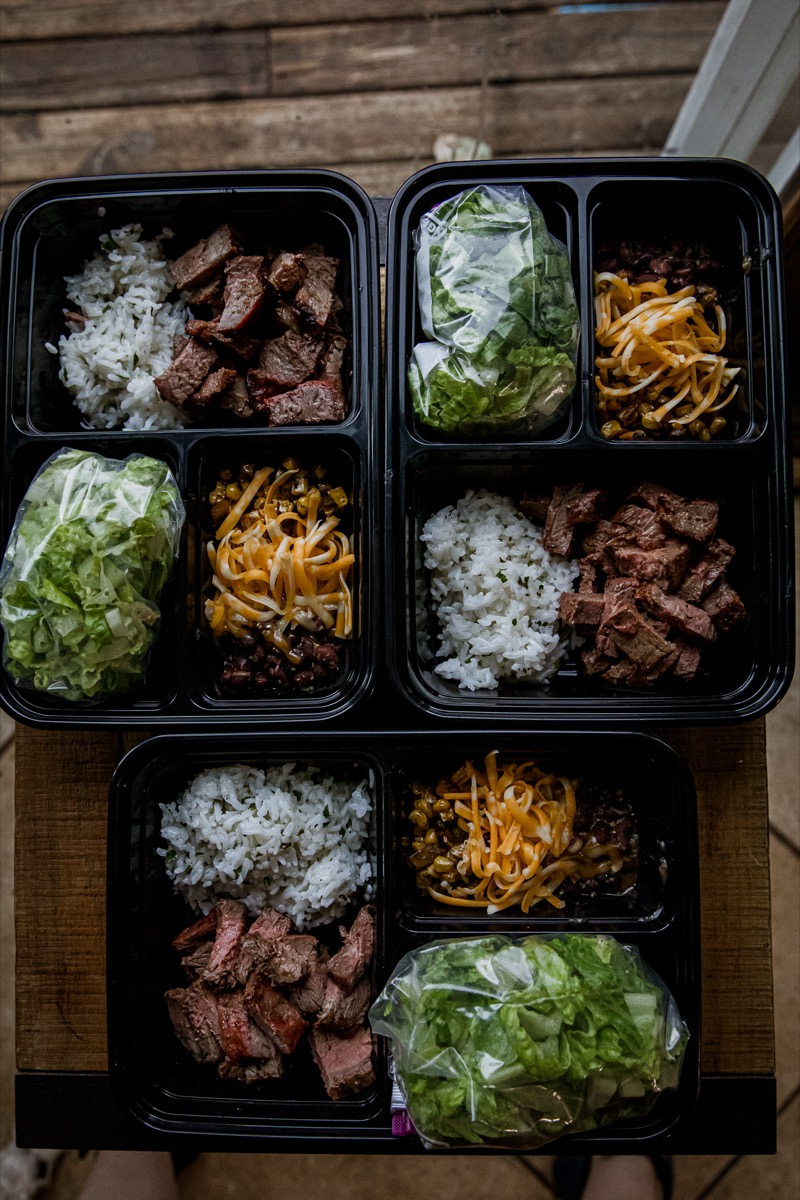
(32,19)
(62,787)
(493,47)
(87,72)
(524,118)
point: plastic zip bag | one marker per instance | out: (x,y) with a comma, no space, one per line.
(92,545)
(514,1042)
(497,303)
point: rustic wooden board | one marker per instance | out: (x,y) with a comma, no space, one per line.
(85,72)
(62,786)
(23,19)
(491,47)
(523,118)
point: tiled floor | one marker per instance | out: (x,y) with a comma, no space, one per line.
(215,1176)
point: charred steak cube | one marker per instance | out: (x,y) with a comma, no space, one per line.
(185,374)
(636,637)
(559,531)
(230,930)
(348,964)
(693,519)
(241,344)
(664,565)
(273,1013)
(581,608)
(237,400)
(330,364)
(345,1062)
(239,1035)
(307,995)
(288,360)
(686,617)
(287,272)
(309,403)
(204,259)
(643,525)
(704,574)
(244,292)
(314,297)
(584,510)
(193,1012)
(214,385)
(344,1010)
(724,606)
(534,506)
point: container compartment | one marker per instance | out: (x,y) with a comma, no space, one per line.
(559,205)
(656,785)
(56,236)
(743,666)
(345,465)
(152,1076)
(157,692)
(723,216)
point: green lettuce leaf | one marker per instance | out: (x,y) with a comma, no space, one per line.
(92,546)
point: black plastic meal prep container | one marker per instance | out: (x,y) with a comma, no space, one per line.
(49,232)
(158,1083)
(746,469)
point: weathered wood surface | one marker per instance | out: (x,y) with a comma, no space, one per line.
(377,56)
(61,804)
(30,19)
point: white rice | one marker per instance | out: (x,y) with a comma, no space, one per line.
(495,590)
(109,366)
(293,839)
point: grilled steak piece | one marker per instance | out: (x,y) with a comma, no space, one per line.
(273,1013)
(237,400)
(686,617)
(693,519)
(287,315)
(665,565)
(643,524)
(283,958)
(534,507)
(581,608)
(240,344)
(209,292)
(286,272)
(197,932)
(652,494)
(288,360)
(252,1072)
(596,541)
(314,297)
(266,927)
(636,637)
(193,1012)
(308,994)
(179,343)
(185,374)
(240,1037)
(214,385)
(583,510)
(206,258)
(343,1010)
(587,576)
(345,1063)
(195,964)
(702,577)
(244,291)
(559,531)
(230,929)
(308,404)
(595,660)
(724,606)
(619,594)
(348,964)
(330,364)
(687,662)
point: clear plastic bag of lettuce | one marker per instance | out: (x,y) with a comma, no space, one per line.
(497,303)
(92,546)
(514,1042)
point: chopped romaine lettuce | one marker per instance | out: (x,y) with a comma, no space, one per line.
(92,547)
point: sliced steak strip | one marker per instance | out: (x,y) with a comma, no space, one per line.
(193,1012)
(702,577)
(636,637)
(583,510)
(197,932)
(693,519)
(581,608)
(308,994)
(676,612)
(287,272)
(239,1035)
(643,525)
(559,531)
(289,359)
(281,959)
(308,404)
(619,594)
(214,385)
(345,1063)
(195,964)
(314,297)
(230,929)
(724,606)
(186,373)
(204,259)
(273,1013)
(687,662)
(665,565)
(240,344)
(344,1010)
(330,364)
(348,964)
(244,291)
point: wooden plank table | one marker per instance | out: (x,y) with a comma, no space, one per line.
(61,805)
